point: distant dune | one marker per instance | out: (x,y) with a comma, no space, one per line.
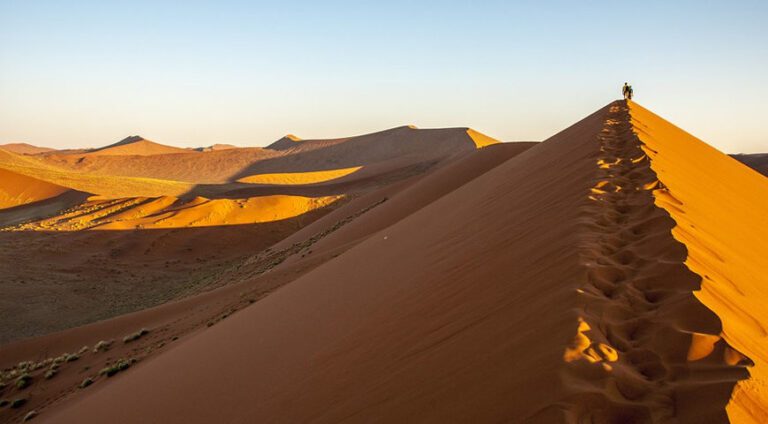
(215,147)
(24,148)
(135,145)
(298,178)
(756,161)
(17,189)
(613,273)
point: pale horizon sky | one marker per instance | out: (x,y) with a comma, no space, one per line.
(193,73)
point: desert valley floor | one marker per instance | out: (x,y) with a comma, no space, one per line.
(613,273)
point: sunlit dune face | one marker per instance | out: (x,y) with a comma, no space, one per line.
(170,212)
(299,178)
(17,189)
(721,210)
(481,140)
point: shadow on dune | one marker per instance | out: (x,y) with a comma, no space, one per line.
(42,208)
(405,144)
(362,181)
(71,278)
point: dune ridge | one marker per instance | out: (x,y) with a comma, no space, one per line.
(721,210)
(24,148)
(136,146)
(639,320)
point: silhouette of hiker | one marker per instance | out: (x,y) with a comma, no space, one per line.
(627,91)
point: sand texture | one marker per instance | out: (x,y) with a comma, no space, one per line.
(613,273)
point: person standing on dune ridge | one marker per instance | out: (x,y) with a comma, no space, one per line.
(627,91)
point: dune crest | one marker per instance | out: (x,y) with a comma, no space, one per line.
(135,145)
(721,210)
(481,140)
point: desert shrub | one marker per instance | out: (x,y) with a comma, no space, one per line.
(102,346)
(135,336)
(87,382)
(72,357)
(50,373)
(120,365)
(18,403)
(30,415)
(23,381)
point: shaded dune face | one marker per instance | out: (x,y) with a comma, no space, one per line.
(550,288)
(277,263)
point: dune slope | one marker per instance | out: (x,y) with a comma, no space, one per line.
(721,210)
(136,146)
(24,148)
(17,189)
(549,289)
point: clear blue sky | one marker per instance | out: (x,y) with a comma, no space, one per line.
(82,73)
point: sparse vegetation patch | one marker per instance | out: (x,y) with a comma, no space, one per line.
(135,336)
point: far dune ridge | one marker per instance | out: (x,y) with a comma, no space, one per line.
(135,145)
(24,148)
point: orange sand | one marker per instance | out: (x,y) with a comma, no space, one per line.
(546,286)
(721,210)
(136,145)
(171,212)
(17,189)
(299,178)
(24,148)
(481,140)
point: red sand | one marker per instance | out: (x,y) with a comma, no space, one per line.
(548,289)
(508,284)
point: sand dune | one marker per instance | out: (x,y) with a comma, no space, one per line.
(135,146)
(111,186)
(756,161)
(406,144)
(24,148)
(611,273)
(171,212)
(215,147)
(396,148)
(721,211)
(212,167)
(17,189)
(549,288)
(299,178)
